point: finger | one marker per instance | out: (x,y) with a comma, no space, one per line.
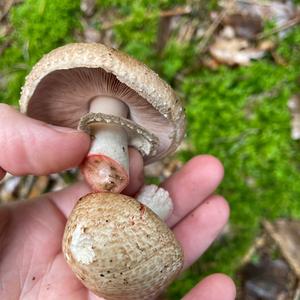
(32,147)
(67,198)
(136,172)
(2,173)
(192,184)
(213,287)
(200,228)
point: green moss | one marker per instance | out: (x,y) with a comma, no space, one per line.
(127,6)
(39,26)
(137,33)
(241,116)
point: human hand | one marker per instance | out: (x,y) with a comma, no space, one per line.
(31,261)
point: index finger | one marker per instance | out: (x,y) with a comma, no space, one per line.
(29,146)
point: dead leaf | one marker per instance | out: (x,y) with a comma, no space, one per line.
(266,45)
(278,11)
(227,32)
(286,234)
(8,188)
(234,51)
(186,31)
(39,187)
(279,60)
(271,267)
(210,63)
(297,293)
(5,6)
(5,29)
(245,26)
(217,19)
(26,186)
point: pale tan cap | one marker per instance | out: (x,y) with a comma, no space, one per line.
(62,84)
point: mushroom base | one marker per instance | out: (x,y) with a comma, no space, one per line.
(104,174)
(122,250)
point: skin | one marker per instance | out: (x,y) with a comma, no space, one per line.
(31,262)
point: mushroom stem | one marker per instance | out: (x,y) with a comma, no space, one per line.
(106,165)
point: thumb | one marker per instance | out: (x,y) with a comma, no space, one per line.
(32,147)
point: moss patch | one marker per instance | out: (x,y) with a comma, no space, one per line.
(241,116)
(38,27)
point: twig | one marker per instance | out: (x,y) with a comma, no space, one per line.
(259,242)
(284,26)
(210,31)
(178,11)
(164,27)
(297,293)
(163,33)
(5,45)
(251,2)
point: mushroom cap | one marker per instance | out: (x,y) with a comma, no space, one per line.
(122,250)
(61,85)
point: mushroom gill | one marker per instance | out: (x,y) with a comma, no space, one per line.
(63,97)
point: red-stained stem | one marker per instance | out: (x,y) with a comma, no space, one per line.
(104,174)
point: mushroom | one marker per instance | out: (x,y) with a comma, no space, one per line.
(122,250)
(119,101)
(117,246)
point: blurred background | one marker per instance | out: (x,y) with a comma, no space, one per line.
(236,67)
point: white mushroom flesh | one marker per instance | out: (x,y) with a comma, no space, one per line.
(82,246)
(157,199)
